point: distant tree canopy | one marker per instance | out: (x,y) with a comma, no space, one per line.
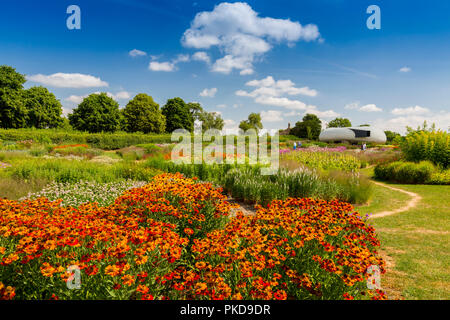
(44,110)
(178,115)
(339,123)
(390,136)
(209,120)
(96,113)
(143,114)
(11,79)
(309,128)
(364,125)
(253,122)
(19,108)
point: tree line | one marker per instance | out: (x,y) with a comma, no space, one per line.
(37,107)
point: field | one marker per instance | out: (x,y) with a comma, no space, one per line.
(138,226)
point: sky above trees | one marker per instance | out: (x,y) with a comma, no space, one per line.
(281,59)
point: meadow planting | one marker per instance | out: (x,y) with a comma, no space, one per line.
(176,238)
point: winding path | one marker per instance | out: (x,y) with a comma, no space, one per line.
(415,198)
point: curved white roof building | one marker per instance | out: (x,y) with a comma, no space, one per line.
(353,134)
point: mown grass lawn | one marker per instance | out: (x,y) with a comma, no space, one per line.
(416,243)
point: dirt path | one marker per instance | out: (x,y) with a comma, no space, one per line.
(415,198)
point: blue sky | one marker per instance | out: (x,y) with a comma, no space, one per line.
(281,58)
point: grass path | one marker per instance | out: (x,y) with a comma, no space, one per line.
(415,198)
(414,243)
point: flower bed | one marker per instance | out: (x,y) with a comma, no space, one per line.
(174,239)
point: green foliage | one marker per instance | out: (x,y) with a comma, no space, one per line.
(391,136)
(143,114)
(246,183)
(324,160)
(253,122)
(309,128)
(97,113)
(13,113)
(11,79)
(178,115)
(105,141)
(63,170)
(43,109)
(406,172)
(427,145)
(339,123)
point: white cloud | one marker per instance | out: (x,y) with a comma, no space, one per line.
(75,99)
(230,127)
(352,106)
(167,66)
(161,66)
(370,108)
(405,69)
(137,53)
(222,106)
(410,111)
(271,116)
(271,92)
(238,31)
(201,56)
(121,95)
(208,92)
(181,58)
(269,87)
(68,80)
(398,124)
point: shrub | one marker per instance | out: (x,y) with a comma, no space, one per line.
(425,145)
(405,172)
(105,141)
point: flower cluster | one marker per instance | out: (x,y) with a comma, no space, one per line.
(4,165)
(176,238)
(71,146)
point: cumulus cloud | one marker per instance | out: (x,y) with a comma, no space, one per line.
(208,92)
(271,116)
(410,110)
(370,108)
(137,53)
(242,35)
(201,56)
(161,66)
(167,66)
(68,80)
(269,87)
(271,92)
(398,124)
(366,108)
(121,95)
(405,69)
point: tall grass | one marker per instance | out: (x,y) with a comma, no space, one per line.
(246,183)
(63,170)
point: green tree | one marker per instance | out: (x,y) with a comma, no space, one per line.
(339,123)
(96,113)
(178,115)
(390,136)
(13,113)
(43,109)
(309,128)
(143,114)
(10,78)
(253,122)
(211,120)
